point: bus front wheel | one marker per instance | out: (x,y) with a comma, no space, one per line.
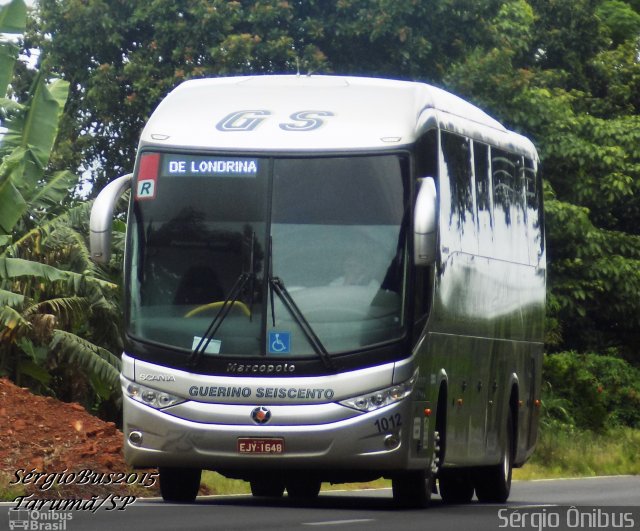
(179,484)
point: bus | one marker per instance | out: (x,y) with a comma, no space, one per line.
(330,279)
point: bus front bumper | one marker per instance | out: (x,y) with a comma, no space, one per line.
(384,439)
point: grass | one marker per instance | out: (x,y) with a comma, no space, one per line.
(214,483)
(564,451)
(10,492)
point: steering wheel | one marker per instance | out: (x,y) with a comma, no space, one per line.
(216,305)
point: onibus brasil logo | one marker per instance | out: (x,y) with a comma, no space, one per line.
(39,520)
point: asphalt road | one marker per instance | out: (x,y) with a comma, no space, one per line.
(597,503)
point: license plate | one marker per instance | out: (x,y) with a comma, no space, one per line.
(250,445)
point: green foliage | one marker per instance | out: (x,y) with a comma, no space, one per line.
(566,38)
(94,360)
(556,411)
(620,19)
(9,491)
(25,149)
(591,391)
(615,84)
(49,289)
(12,21)
(47,306)
(589,266)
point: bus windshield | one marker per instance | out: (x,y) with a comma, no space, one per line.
(331,231)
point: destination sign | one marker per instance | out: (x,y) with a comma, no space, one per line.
(198,166)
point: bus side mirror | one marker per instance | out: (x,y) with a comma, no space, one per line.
(425,224)
(102,217)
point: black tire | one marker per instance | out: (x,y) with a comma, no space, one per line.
(412,489)
(179,484)
(456,485)
(272,488)
(493,484)
(303,488)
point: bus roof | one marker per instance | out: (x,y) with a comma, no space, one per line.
(315,113)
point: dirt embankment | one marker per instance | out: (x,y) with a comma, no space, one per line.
(42,434)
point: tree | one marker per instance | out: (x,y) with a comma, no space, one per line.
(621,21)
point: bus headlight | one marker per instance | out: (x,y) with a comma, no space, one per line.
(382,397)
(151,397)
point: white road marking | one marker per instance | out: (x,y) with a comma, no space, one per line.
(341,522)
(576,478)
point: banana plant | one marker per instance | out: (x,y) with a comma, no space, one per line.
(13,18)
(49,289)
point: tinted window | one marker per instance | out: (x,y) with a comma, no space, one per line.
(534,210)
(509,208)
(483,198)
(457,174)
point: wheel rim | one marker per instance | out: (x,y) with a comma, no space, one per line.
(506,463)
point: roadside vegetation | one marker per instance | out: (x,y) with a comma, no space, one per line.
(9,492)
(590,418)
(565,453)
(59,313)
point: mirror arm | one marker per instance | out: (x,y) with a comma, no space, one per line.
(102,218)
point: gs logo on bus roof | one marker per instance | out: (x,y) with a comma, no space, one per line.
(249,120)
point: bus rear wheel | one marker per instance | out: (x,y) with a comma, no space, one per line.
(493,483)
(179,484)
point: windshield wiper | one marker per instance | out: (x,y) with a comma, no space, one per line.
(228,303)
(278,286)
(224,310)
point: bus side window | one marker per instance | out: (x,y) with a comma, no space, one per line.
(458,212)
(483,198)
(534,211)
(509,209)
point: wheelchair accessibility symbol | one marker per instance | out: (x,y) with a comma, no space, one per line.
(279,342)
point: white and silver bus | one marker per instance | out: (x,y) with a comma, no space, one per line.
(330,279)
